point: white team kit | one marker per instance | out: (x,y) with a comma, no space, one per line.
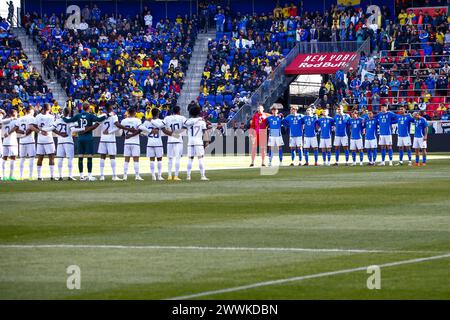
(65,147)
(107,144)
(27,143)
(195,127)
(175,144)
(154,141)
(45,143)
(132,147)
(10,146)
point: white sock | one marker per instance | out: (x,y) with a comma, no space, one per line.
(159,168)
(60,166)
(177,166)
(90,174)
(3,167)
(189,166)
(152,167)
(169,167)
(113,166)
(102,166)
(125,168)
(70,165)
(22,164)
(136,168)
(11,167)
(52,170)
(39,169)
(201,166)
(30,167)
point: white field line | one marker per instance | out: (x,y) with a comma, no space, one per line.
(206,248)
(300,278)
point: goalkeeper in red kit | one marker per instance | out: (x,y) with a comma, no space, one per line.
(258,134)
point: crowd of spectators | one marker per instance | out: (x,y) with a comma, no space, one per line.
(124,61)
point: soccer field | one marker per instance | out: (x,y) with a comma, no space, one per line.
(304,233)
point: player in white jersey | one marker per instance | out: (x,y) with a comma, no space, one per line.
(155,149)
(65,148)
(9,127)
(45,143)
(107,145)
(132,148)
(174,145)
(195,126)
(2,115)
(27,143)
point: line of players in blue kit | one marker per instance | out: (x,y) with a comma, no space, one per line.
(304,131)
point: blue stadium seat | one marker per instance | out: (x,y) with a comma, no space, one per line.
(228,98)
(212,99)
(219,99)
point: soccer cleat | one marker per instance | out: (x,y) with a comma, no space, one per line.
(410,163)
(306,164)
(353,164)
(263,165)
(361,164)
(188,178)
(423,164)
(316,164)
(60,179)
(400,163)
(153,177)
(252,165)
(176,179)
(335,164)
(160,178)
(102,178)
(169,178)
(92,178)
(125,177)
(390,163)
(83,178)
(12,179)
(116,179)
(381,164)
(346,164)
(138,178)
(416,164)
(204,178)
(292,164)
(299,164)
(40,179)
(71,179)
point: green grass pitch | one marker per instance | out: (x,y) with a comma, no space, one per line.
(162,240)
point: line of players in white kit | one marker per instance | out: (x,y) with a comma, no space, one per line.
(309,127)
(18,139)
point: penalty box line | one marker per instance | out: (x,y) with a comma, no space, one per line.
(300,278)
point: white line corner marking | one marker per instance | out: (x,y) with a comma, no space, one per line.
(300,278)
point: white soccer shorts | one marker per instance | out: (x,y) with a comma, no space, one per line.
(131,150)
(310,142)
(10,151)
(27,150)
(341,141)
(419,143)
(275,142)
(196,151)
(155,152)
(370,144)
(356,144)
(385,140)
(45,149)
(295,142)
(404,142)
(108,148)
(65,150)
(325,143)
(174,150)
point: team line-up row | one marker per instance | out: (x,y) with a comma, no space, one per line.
(304,129)
(18,138)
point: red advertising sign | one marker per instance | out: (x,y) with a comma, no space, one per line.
(432,11)
(322,63)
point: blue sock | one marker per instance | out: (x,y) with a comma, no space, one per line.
(336,154)
(306,155)
(292,155)
(424,159)
(347,155)
(316,156)
(383,155)
(299,152)
(280,154)
(400,155)
(391,154)
(361,156)
(417,159)
(270,154)
(374,155)
(329,156)
(409,155)
(324,156)
(354,156)
(369,155)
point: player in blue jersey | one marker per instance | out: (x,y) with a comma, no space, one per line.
(340,135)
(310,139)
(404,121)
(274,123)
(326,124)
(385,121)
(295,125)
(370,143)
(356,142)
(420,138)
